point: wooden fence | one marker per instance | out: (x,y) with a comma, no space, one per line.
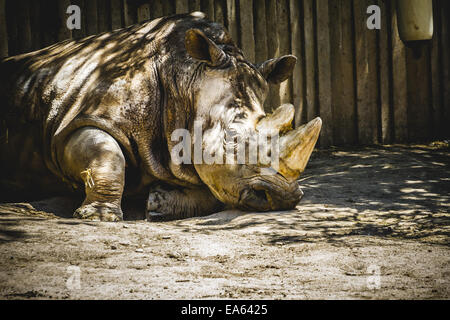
(367,86)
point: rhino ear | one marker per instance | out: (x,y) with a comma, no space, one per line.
(277,70)
(200,47)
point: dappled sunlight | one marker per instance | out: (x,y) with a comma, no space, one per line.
(370,192)
(373,192)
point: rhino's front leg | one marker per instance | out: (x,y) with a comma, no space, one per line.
(94,157)
(169,203)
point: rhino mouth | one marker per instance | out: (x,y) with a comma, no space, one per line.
(267,194)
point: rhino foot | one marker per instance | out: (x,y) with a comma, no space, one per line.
(160,206)
(99,212)
(158,217)
(166,203)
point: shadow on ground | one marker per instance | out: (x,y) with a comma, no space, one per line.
(390,192)
(394,192)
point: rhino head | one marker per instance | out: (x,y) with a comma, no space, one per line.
(228,102)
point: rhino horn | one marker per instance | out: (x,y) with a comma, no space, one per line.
(296,148)
(280,119)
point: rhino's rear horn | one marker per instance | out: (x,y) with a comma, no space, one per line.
(200,47)
(280,119)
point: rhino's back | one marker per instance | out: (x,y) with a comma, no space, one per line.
(108,80)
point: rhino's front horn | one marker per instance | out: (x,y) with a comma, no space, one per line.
(296,148)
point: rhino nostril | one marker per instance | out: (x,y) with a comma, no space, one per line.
(261,194)
(255,199)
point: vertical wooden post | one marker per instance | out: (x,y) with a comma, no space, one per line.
(181,6)
(419,97)
(445,45)
(342,70)
(49,23)
(384,78)
(116,14)
(194,5)
(219,11)
(260,32)
(24,28)
(435,71)
(3,32)
(285,46)
(310,59)
(208,8)
(168,7)
(366,75)
(399,85)
(232,23)
(296,49)
(324,72)
(273,49)
(63,31)
(129,12)
(11,27)
(103,15)
(156,9)
(91,17)
(246,29)
(77,34)
(143,12)
(35,24)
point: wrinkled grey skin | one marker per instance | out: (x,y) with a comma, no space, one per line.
(99,113)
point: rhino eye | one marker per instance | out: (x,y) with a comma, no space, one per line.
(232,105)
(241,116)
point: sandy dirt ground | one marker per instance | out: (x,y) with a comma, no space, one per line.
(374,224)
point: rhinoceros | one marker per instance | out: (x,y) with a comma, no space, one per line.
(98,113)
